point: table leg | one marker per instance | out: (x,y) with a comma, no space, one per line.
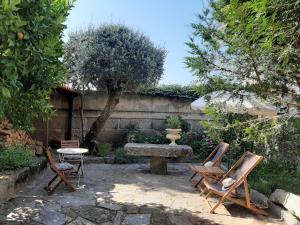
(80,173)
(82,164)
(158,165)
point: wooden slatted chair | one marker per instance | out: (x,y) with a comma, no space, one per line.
(74,159)
(61,170)
(239,172)
(215,157)
(69,143)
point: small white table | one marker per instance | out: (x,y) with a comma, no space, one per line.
(73,151)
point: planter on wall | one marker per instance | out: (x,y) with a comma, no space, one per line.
(173,135)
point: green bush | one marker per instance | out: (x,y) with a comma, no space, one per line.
(152,139)
(176,122)
(121,157)
(200,143)
(172,91)
(270,176)
(104,149)
(16,156)
(173,122)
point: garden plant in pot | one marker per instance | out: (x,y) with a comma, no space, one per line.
(174,128)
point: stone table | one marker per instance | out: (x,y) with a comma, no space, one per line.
(158,154)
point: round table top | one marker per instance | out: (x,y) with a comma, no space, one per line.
(73,151)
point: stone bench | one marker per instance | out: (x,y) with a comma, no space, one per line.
(158,154)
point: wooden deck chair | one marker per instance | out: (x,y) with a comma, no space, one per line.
(215,157)
(239,172)
(74,159)
(61,170)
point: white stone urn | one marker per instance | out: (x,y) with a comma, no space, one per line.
(173,135)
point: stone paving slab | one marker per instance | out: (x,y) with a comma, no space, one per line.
(120,195)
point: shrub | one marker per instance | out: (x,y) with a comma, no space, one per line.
(16,156)
(104,149)
(200,143)
(152,139)
(173,122)
(269,176)
(172,91)
(121,157)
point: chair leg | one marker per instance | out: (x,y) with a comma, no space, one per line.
(203,191)
(199,182)
(54,188)
(64,179)
(206,198)
(51,190)
(216,206)
(52,180)
(193,175)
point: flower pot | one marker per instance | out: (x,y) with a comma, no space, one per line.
(173,135)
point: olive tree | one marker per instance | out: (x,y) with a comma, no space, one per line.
(111,58)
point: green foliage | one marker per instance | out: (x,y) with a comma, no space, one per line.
(173,91)
(115,54)
(173,122)
(152,139)
(16,156)
(276,139)
(30,52)
(104,149)
(200,143)
(250,45)
(269,176)
(121,157)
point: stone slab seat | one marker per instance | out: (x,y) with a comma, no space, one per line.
(158,150)
(158,154)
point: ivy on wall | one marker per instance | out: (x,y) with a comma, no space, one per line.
(173,91)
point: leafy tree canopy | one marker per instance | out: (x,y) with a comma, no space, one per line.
(115,54)
(112,58)
(253,46)
(30,52)
(250,45)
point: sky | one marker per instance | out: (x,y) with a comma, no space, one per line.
(165,22)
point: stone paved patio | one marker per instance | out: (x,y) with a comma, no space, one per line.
(121,195)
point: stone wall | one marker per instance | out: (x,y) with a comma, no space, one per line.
(147,113)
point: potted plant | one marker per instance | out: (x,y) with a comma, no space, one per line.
(132,130)
(174,128)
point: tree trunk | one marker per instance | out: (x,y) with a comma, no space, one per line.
(114,93)
(81,118)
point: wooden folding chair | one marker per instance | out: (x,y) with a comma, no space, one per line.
(74,159)
(69,143)
(215,157)
(239,172)
(61,170)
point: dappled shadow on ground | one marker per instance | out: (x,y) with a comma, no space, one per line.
(101,213)
(120,193)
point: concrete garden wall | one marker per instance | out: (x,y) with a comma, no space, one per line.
(147,113)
